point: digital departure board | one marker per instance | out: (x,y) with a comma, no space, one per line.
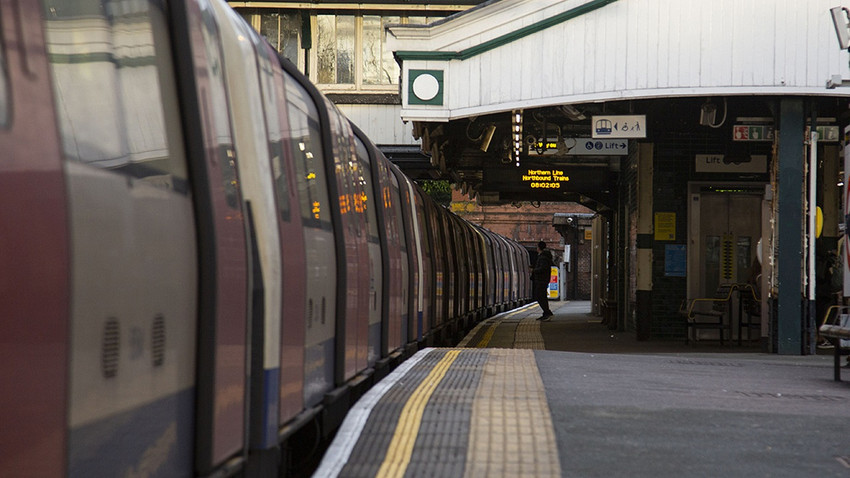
(538,176)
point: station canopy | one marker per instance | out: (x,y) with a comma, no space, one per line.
(541,99)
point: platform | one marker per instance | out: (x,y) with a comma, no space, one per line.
(514,400)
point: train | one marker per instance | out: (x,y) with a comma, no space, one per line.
(203,262)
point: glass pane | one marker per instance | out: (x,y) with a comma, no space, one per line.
(712,263)
(345,49)
(390,73)
(379,66)
(326,49)
(365,178)
(4,91)
(272,95)
(217,96)
(372,56)
(270,29)
(290,36)
(743,256)
(117,107)
(305,143)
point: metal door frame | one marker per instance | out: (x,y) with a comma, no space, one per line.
(694,238)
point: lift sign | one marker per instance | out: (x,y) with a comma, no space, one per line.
(545,178)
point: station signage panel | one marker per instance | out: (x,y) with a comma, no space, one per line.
(619,126)
(719,163)
(753,132)
(756,132)
(826,134)
(599,147)
(541,176)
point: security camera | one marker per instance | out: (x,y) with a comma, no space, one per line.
(840,19)
(487,137)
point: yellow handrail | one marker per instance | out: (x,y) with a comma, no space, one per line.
(831,309)
(732,288)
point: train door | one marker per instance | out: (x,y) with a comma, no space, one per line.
(133,252)
(376,266)
(398,332)
(426,275)
(725,227)
(353,325)
(319,240)
(223,271)
(292,330)
(438,253)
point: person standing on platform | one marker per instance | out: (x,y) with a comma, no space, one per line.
(540,274)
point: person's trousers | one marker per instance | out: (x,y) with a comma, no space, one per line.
(540,293)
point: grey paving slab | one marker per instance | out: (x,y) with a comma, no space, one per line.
(703,415)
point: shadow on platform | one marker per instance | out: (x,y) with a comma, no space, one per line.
(575,329)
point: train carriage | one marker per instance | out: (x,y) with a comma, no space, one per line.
(227,260)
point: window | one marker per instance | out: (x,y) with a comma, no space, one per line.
(115,91)
(283,31)
(335,49)
(347,51)
(352,51)
(379,66)
(4,89)
(305,144)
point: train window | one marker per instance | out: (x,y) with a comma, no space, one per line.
(365,178)
(217,96)
(4,89)
(273,95)
(114,88)
(306,146)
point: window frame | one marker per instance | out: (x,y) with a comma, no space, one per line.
(358,86)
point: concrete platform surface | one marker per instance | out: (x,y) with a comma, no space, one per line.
(567,397)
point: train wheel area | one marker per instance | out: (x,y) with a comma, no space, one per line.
(568,397)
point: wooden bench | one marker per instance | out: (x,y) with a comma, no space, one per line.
(836,326)
(709,313)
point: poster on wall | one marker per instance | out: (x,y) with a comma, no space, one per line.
(675,260)
(665,226)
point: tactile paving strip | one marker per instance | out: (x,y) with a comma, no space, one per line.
(528,335)
(452,412)
(439,440)
(511,433)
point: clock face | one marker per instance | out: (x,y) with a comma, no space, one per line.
(426,87)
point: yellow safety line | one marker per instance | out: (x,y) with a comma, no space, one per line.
(488,334)
(401,445)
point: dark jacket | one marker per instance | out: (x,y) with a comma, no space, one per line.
(543,267)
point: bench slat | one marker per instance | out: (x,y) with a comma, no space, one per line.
(835,331)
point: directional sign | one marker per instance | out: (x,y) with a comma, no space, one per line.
(621,126)
(597,147)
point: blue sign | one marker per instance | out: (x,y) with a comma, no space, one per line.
(675,260)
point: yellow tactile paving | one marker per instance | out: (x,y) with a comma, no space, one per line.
(528,335)
(490,327)
(511,433)
(401,446)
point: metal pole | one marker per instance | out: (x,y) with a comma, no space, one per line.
(812,275)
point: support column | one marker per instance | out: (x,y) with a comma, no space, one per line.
(791,156)
(644,242)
